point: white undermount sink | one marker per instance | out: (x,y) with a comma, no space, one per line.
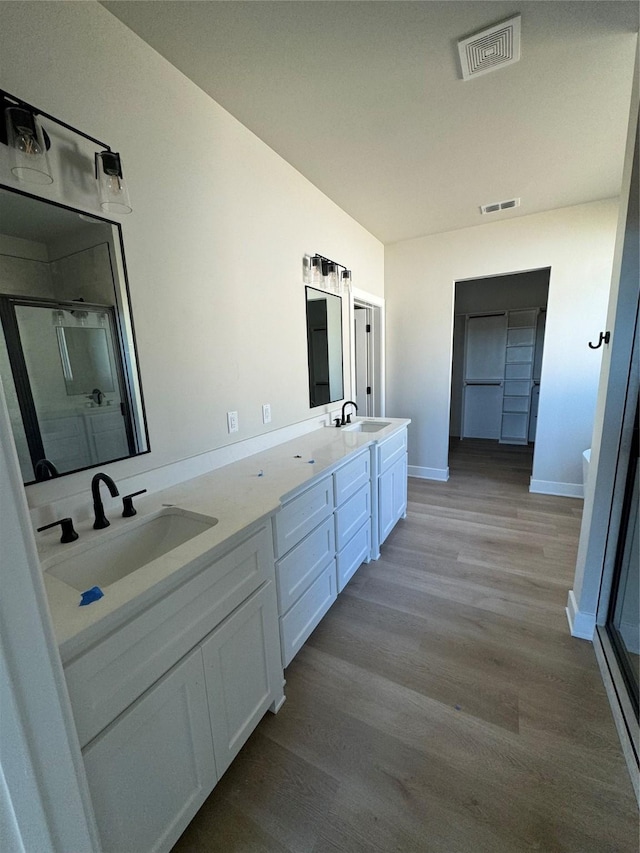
(366,426)
(121,551)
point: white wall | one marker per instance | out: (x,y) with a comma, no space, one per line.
(577,243)
(214,246)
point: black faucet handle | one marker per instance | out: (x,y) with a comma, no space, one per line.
(337,422)
(128,509)
(68,532)
(349,418)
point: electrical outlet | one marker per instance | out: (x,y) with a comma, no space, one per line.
(266,413)
(232,421)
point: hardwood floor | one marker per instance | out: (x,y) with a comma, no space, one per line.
(441,705)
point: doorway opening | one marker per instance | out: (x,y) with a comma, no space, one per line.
(498,342)
(368,355)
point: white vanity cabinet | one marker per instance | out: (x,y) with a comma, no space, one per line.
(152,768)
(391,483)
(352,487)
(304,539)
(164,703)
(321,536)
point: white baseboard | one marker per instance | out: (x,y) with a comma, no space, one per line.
(549,487)
(582,625)
(441,474)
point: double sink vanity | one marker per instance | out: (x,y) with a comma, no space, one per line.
(209,590)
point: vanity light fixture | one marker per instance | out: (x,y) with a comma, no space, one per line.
(345,281)
(112,189)
(312,270)
(323,272)
(21,131)
(332,277)
(28,143)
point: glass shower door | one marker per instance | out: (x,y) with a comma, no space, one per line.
(623,623)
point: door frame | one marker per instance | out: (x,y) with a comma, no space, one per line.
(45,799)
(376,304)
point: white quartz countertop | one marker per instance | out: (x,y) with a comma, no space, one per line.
(237,495)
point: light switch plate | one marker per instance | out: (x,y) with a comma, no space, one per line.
(232,421)
(266,413)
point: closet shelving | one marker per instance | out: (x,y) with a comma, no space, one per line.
(518,376)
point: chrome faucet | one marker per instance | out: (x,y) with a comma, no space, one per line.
(347,420)
(101,519)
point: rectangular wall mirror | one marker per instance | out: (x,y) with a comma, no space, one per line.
(67,351)
(324,347)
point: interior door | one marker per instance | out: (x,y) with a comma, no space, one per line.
(362,334)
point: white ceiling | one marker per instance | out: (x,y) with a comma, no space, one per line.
(366,99)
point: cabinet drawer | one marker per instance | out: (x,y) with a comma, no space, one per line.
(302,565)
(305,614)
(352,515)
(61,427)
(153,767)
(354,553)
(391,450)
(107,678)
(351,477)
(105,422)
(301,514)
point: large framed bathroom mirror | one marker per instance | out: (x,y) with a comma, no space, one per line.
(68,361)
(324,347)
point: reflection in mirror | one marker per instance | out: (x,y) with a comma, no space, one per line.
(86,360)
(67,352)
(324,347)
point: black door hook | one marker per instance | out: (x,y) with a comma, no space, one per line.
(604,338)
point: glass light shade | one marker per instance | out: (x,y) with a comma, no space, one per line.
(112,189)
(345,281)
(332,278)
(27,145)
(306,269)
(316,270)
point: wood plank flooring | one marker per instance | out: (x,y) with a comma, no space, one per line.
(441,706)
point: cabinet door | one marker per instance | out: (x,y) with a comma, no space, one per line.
(243,673)
(392,496)
(107,436)
(153,767)
(109,676)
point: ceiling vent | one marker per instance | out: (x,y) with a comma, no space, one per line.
(490,49)
(499,205)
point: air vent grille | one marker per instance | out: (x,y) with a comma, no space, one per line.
(490,49)
(495,206)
